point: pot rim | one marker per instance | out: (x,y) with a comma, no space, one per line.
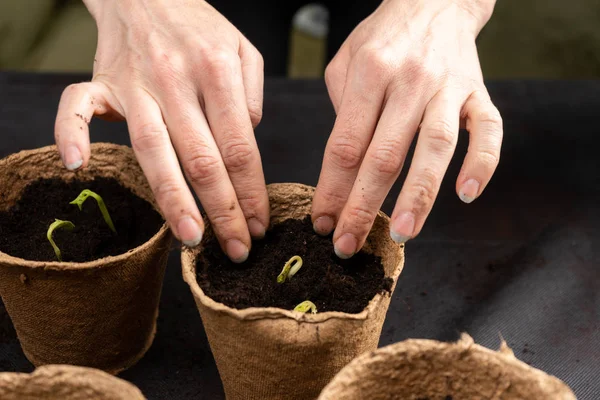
(188,265)
(70,376)
(412,347)
(13,261)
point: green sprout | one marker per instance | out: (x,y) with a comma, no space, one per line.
(87,193)
(57,224)
(306,306)
(289,269)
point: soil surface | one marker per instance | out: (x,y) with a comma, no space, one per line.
(23,228)
(329,282)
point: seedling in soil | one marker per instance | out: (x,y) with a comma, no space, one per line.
(58,224)
(290,268)
(87,193)
(306,306)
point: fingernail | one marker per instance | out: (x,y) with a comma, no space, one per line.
(236,250)
(189,231)
(256,228)
(403,227)
(345,246)
(468,191)
(323,225)
(72,158)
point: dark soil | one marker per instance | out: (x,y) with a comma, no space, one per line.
(23,228)
(329,282)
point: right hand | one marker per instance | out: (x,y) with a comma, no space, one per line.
(190,86)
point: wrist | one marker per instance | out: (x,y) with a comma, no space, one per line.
(100,7)
(480,10)
(476,13)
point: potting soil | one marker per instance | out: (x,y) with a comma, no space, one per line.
(24,226)
(331,283)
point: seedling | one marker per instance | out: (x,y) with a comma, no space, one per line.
(306,306)
(58,224)
(87,193)
(290,268)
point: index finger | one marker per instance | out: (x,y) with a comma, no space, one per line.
(354,126)
(154,152)
(230,122)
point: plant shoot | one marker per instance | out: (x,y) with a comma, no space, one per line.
(87,193)
(290,269)
(306,306)
(58,224)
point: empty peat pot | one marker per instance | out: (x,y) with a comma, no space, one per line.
(101,313)
(66,382)
(427,369)
(271,353)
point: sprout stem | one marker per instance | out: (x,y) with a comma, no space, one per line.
(57,224)
(290,268)
(87,193)
(306,306)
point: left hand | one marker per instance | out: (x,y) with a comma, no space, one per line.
(412,65)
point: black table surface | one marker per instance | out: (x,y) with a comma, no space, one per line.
(522,262)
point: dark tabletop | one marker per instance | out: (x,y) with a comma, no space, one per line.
(521,262)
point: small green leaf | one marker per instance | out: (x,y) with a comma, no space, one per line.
(290,268)
(58,224)
(82,198)
(306,306)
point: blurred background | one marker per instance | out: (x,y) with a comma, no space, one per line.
(524,39)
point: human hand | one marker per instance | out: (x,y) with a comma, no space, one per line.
(412,65)
(191,88)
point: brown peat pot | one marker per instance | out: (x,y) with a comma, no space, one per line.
(271,353)
(427,369)
(66,382)
(100,314)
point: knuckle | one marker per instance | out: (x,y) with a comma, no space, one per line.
(423,191)
(221,217)
(378,60)
(487,159)
(237,155)
(73,87)
(219,64)
(167,68)
(251,203)
(387,160)
(72,90)
(167,194)
(331,197)
(346,152)
(360,217)
(148,137)
(260,61)
(332,71)
(203,169)
(441,137)
(490,115)
(256,114)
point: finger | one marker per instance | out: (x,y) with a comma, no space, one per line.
(484,123)
(380,169)
(78,104)
(352,132)
(228,117)
(335,76)
(435,146)
(155,154)
(253,79)
(204,168)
